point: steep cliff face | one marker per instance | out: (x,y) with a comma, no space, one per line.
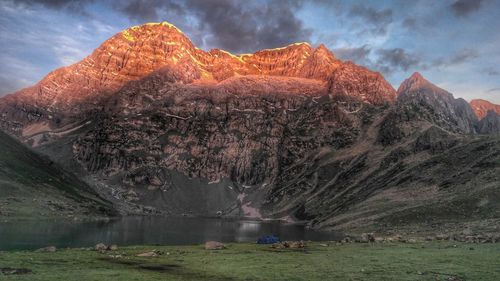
(153,127)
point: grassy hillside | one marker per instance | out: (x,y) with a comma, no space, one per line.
(32,186)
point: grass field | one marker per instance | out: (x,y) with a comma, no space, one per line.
(387,261)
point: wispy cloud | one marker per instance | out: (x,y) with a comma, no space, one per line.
(460,57)
(493,90)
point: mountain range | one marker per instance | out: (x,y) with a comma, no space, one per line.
(159,126)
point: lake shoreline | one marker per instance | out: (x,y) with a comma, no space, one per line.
(140,230)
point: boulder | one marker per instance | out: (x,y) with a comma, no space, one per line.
(294,244)
(367,237)
(395,238)
(214,245)
(101,247)
(113,248)
(153,253)
(290,244)
(49,249)
(278,246)
(442,237)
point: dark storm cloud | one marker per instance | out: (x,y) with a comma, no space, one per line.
(390,60)
(228,24)
(462,8)
(74,6)
(356,54)
(147,10)
(378,19)
(237,28)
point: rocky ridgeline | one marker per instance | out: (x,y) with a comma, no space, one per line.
(71,92)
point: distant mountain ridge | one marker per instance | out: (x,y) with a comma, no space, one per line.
(481,107)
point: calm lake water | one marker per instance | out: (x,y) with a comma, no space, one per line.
(147,230)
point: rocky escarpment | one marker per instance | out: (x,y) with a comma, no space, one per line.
(153,127)
(418,163)
(490,124)
(421,103)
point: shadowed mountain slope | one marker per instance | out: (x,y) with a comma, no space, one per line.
(32,186)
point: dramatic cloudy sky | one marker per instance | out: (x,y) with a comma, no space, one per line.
(454,43)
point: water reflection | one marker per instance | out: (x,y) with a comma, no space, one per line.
(146,230)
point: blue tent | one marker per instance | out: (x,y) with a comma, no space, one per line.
(269,239)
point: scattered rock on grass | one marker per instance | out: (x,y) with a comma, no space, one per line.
(214,245)
(367,237)
(153,253)
(49,249)
(442,237)
(395,238)
(101,247)
(278,245)
(290,244)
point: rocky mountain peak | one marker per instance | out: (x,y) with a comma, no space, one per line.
(436,105)
(323,52)
(139,51)
(414,82)
(481,107)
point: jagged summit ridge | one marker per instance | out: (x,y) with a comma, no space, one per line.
(140,50)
